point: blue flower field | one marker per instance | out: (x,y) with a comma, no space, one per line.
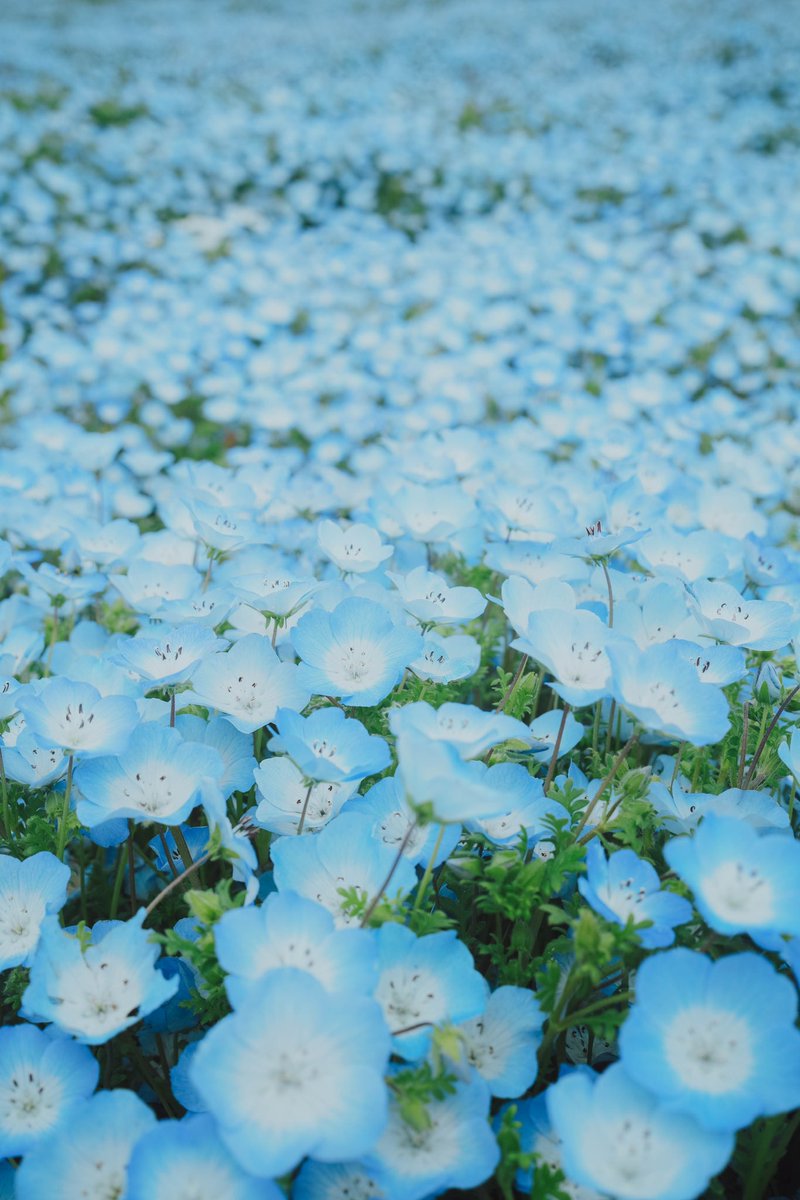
(399,600)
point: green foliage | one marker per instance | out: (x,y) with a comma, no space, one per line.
(512,1157)
(207,906)
(415,1088)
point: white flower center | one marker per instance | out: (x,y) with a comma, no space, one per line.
(709,1049)
(737,893)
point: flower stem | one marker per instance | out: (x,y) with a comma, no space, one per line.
(6,811)
(426,878)
(606,783)
(183,849)
(62,828)
(305,809)
(162,895)
(376,899)
(784,704)
(551,770)
(523,662)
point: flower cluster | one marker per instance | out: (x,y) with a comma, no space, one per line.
(399,603)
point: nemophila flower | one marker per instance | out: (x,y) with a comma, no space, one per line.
(295,1071)
(521,599)
(337,1181)
(275,596)
(58,584)
(455,1149)
(187,1160)
(681,811)
(624,886)
(248,683)
(157,778)
(355,549)
(30,890)
(742,881)
(76,718)
(42,1081)
(600,539)
(209,608)
(355,652)
(89,1155)
(286,797)
(28,762)
(183,1089)
(222,529)
(196,838)
(573,647)
(715,1040)
(529,809)
(147,585)
(502,1042)
(537,1136)
(432,514)
(105,544)
(290,931)
(169,655)
(691,556)
(446,659)
(432,600)
(8,688)
(536,562)
(327,745)
(434,776)
(543,733)
(719,665)
(468,728)
(423,982)
(394,823)
(663,692)
(756,624)
(234,748)
(789,753)
(95,991)
(343,856)
(626,1142)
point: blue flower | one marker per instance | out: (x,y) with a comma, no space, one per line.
(663,692)
(295,1071)
(286,798)
(342,856)
(30,890)
(573,647)
(715,1040)
(89,1155)
(248,683)
(42,1080)
(424,982)
(290,931)
(392,819)
(433,774)
(77,719)
(456,1148)
(337,1181)
(625,1142)
(446,659)
(329,746)
(742,882)
(355,652)
(186,1160)
(170,655)
(624,886)
(157,778)
(469,729)
(501,1043)
(96,991)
